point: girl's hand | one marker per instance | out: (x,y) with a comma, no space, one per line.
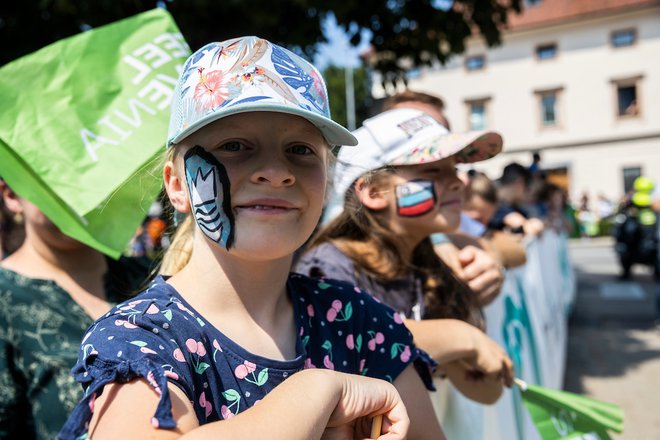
(360,400)
(489,361)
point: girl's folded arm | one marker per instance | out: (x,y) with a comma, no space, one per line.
(423,421)
(289,412)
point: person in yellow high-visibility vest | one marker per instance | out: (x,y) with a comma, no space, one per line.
(636,231)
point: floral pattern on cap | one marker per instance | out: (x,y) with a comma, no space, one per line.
(442,147)
(245,73)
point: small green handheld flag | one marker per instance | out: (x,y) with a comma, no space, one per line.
(562,415)
(83,122)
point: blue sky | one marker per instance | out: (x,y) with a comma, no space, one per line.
(338,51)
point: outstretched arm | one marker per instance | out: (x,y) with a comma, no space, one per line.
(475,364)
(303,407)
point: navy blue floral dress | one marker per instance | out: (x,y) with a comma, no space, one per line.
(159,337)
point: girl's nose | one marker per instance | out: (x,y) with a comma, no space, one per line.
(273,171)
(450,184)
(456,184)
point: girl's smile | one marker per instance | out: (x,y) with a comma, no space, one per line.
(452,203)
(266,207)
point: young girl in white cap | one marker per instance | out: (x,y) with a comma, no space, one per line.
(247,158)
(399,187)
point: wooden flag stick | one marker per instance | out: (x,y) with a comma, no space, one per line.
(376,425)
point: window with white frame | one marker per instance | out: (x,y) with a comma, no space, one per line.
(475,62)
(546,51)
(548,101)
(623,38)
(477,114)
(627,97)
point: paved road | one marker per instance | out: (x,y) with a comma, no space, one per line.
(614,346)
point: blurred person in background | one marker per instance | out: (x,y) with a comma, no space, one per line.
(586,217)
(513,192)
(553,200)
(636,230)
(535,167)
(480,205)
(52,288)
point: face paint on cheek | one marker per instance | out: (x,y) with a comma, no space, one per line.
(208,185)
(415,198)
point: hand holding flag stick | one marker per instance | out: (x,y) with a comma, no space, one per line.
(563,415)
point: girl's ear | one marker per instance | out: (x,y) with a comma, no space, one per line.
(176,187)
(371,196)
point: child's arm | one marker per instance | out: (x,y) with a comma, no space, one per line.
(290,411)
(423,421)
(483,364)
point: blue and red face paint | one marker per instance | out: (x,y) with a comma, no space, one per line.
(415,198)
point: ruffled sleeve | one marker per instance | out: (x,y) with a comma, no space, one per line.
(134,340)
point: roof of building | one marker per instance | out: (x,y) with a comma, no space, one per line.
(552,12)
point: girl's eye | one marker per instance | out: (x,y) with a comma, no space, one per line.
(232,146)
(300,149)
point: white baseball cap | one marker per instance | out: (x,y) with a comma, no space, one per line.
(250,74)
(408,137)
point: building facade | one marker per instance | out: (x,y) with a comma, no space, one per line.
(576,80)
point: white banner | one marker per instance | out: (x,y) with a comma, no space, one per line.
(529,319)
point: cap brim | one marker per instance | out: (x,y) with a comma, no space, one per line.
(468,147)
(333,133)
(476,146)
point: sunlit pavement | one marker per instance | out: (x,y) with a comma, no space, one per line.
(614,343)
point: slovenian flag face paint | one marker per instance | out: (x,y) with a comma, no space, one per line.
(414,198)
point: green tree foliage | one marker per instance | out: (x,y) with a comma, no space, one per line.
(335,78)
(420,31)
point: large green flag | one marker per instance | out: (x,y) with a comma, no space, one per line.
(84,121)
(560,415)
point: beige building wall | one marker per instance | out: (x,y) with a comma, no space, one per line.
(590,140)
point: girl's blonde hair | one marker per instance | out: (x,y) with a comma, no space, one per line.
(178,253)
(363,236)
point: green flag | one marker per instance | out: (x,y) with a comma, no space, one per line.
(84,121)
(563,415)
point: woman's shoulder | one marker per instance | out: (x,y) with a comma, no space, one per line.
(15,287)
(321,253)
(325,260)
